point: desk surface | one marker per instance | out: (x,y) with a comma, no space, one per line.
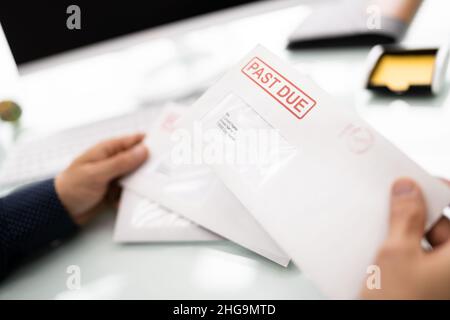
(216,269)
(209,270)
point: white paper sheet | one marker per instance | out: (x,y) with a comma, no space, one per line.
(142,220)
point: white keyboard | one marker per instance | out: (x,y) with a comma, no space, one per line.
(43,158)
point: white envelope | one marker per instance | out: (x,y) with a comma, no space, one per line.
(142,220)
(325,197)
(196,193)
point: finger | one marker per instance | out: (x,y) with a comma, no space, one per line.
(437,266)
(440,232)
(110,147)
(408,211)
(120,164)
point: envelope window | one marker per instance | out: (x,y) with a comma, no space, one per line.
(244,140)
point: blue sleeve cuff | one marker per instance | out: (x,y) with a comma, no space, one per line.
(31,218)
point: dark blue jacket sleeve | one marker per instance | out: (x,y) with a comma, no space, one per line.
(30,218)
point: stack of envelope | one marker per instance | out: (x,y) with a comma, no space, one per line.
(268,160)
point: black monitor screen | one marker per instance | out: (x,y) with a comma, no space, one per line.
(37,29)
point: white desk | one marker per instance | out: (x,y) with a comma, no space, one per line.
(221,269)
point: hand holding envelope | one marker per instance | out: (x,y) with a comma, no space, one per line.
(404,269)
(196,193)
(320,192)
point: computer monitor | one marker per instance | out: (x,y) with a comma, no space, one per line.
(38,29)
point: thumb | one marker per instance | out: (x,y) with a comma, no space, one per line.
(408,211)
(121,163)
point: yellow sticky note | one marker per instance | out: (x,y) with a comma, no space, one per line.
(398,72)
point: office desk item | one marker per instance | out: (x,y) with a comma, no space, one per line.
(43,158)
(402,70)
(142,220)
(355,23)
(56,38)
(9,111)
